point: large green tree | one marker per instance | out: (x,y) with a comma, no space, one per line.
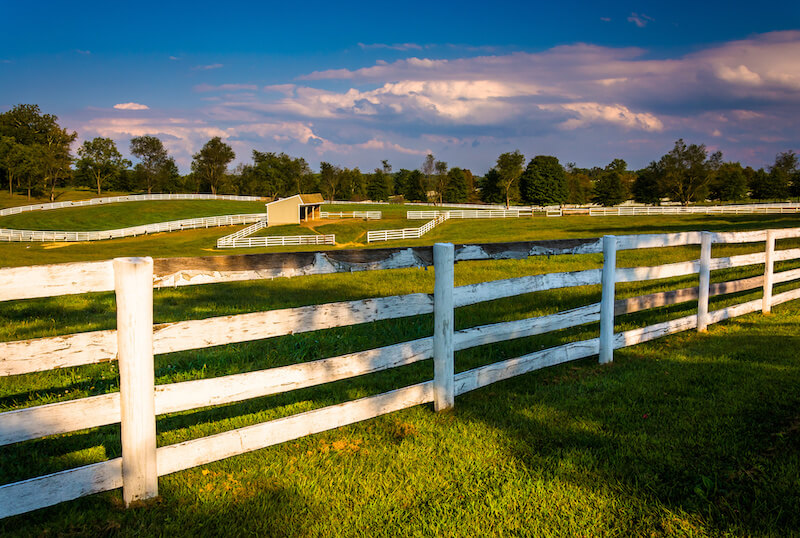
(12,160)
(416,187)
(687,172)
(544,181)
(153,160)
(210,164)
(100,160)
(27,125)
(456,190)
(378,185)
(509,170)
(329,176)
(647,187)
(611,187)
(729,183)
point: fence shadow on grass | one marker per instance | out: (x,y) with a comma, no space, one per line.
(711,431)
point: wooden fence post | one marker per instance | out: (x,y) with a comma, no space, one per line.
(133,283)
(443,325)
(607,280)
(769,266)
(705,281)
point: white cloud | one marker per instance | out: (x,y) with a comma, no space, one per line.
(131,106)
(639,20)
(396,46)
(224,87)
(593,113)
(207,67)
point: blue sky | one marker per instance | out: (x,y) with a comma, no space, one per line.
(359,82)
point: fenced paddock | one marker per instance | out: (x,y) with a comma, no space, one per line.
(242,239)
(132,231)
(136,340)
(742,209)
(374,236)
(128,198)
(368,215)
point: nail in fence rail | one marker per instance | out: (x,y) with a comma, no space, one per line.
(608,278)
(133,278)
(443,325)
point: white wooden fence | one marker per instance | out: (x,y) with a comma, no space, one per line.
(695,210)
(278,240)
(128,198)
(374,236)
(240,239)
(471,214)
(136,340)
(7,234)
(369,215)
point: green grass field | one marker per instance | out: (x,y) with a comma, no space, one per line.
(690,435)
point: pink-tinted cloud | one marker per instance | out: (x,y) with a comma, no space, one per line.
(131,106)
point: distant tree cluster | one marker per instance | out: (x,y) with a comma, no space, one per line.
(35,158)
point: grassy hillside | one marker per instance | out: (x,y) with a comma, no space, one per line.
(690,435)
(351,233)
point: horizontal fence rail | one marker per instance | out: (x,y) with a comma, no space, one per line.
(136,340)
(369,215)
(374,236)
(695,210)
(278,240)
(129,198)
(133,231)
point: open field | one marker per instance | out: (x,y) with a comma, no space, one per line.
(688,435)
(693,434)
(351,233)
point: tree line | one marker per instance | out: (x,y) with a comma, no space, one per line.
(35,157)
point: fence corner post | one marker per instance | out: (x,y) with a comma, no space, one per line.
(704,288)
(443,327)
(133,284)
(607,281)
(769,267)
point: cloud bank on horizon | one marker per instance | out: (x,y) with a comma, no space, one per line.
(581,102)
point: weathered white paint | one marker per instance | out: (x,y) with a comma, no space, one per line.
(32,494)
(610,274)
(51,280)
(133,279)
(769,270)
(733,311)
(60,417)
(498,371)
(498,289)
(790,295)
(41,354)
(222,330)
(668,270)
(785,276)
(705,282)
(443,326)
(628,242)
(651,332)
(223,445)
(509,330)
(237,387)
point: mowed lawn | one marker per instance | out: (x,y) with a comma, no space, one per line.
(350,233)
(688,435)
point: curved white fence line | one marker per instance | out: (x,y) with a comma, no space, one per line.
(471,214)
(278,240)
(743,209)
(129,198)
(406,233)
(133,231)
